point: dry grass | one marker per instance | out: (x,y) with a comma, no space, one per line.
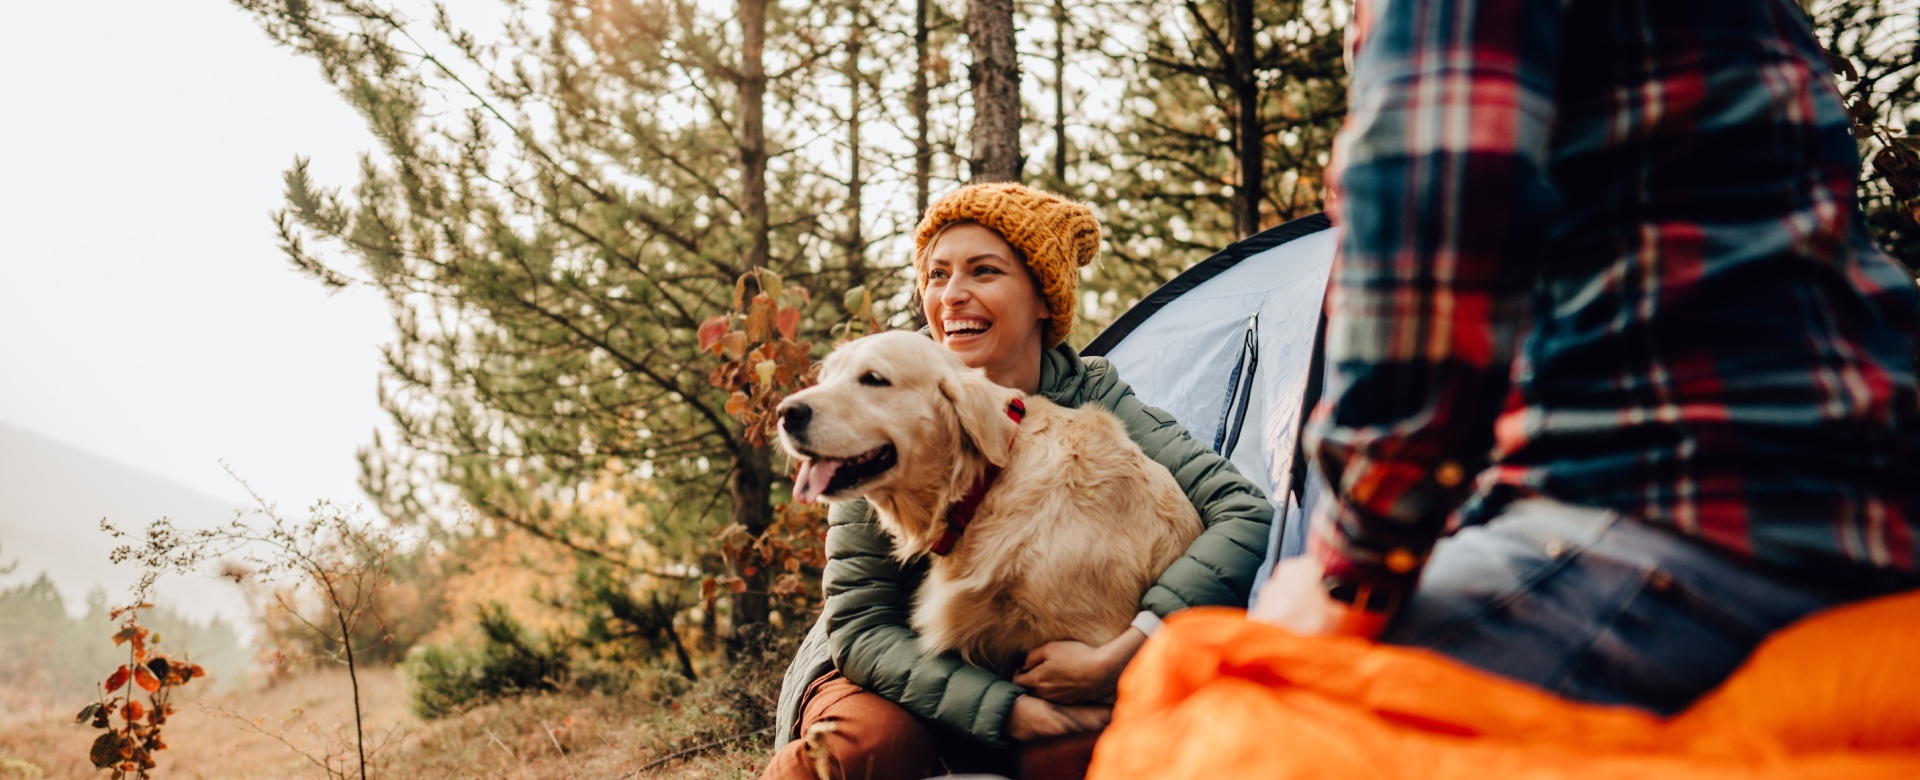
(533,737)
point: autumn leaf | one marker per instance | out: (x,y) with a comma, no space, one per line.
(787,321)
(124,635)
(737,403)
(857,300)
(760,319)
(734,344)
(736,585)
(711,331)
(708,589)
(105,751)
(87,713)
(722,376)
(796,356)
(765,369)
(118,679)
(145,679)
(769,282)
(1842,66)
(133,711)
(1889,160)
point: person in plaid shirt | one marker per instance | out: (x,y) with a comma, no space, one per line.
(1605,309)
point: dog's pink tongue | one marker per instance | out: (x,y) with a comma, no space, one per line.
(811,481)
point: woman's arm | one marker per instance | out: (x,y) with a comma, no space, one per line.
(869,602)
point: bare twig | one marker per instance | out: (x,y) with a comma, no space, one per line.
(237,717)
(695,750)
(556,744)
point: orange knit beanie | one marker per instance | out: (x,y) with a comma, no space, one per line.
(1058,237)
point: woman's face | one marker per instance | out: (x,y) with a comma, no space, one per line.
(983,304)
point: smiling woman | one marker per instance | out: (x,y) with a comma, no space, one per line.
(982,303)
(999,269)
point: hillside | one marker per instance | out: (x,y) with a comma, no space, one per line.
(52,498)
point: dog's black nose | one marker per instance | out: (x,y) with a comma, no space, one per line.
(794,418)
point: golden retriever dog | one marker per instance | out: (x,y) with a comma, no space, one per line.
(1061,544)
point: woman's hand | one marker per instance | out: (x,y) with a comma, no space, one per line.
(1033,718)
(1074,673)
(1295,599)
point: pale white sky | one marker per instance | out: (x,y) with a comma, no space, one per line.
(146,313)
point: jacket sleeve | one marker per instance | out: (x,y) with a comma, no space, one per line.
(1219,567)
(869,600)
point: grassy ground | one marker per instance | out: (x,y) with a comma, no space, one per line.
(302,728)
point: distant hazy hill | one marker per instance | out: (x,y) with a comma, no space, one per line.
(52,497)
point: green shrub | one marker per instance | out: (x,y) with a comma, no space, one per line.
(510,660)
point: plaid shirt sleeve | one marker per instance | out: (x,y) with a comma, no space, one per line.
(1443,195)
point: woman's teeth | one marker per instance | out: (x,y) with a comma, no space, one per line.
(965,327)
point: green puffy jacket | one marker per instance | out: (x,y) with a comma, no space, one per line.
(864,629)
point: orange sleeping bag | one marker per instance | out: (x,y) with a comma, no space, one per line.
(1215,696)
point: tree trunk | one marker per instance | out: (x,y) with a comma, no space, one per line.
(749,483)
(995,77)
(753,133)
(922,143)
(856,240)
(1252,142)
(1060,93)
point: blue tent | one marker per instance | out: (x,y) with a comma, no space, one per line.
(1230,348)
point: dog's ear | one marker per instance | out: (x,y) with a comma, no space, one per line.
(981,406)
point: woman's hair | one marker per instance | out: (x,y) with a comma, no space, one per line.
(923,254)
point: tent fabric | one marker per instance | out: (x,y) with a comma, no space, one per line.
(1180,346)
(1214,695)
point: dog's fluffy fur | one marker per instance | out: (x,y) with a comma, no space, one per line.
(1078,525)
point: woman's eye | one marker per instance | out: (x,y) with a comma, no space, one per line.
(872,379)
(936,275)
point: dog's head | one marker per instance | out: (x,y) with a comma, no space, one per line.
(893,413)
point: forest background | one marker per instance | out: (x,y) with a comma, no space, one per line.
(611,235)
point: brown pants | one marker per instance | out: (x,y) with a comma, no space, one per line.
(856,735)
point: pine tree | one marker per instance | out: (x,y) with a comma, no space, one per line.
(552,215)
(1224,129)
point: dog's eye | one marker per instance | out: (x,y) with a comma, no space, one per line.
(872,379)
